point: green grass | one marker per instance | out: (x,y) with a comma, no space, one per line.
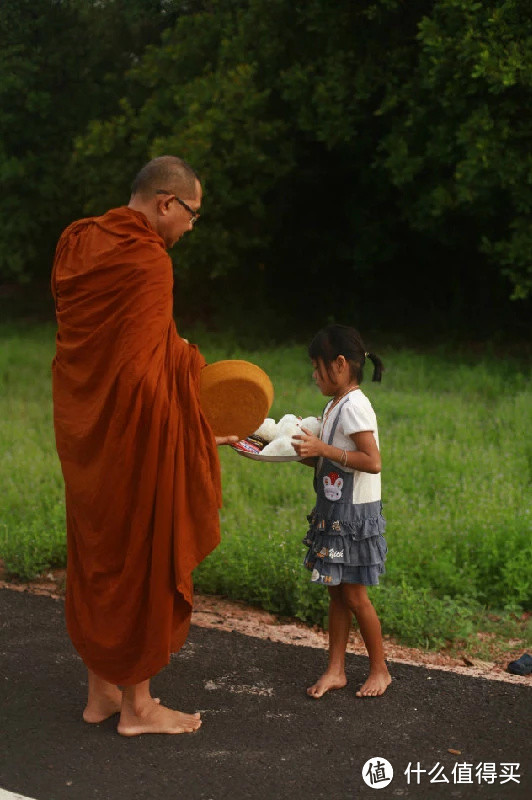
(32,513)
(455,440)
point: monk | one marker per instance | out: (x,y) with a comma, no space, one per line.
(139,460)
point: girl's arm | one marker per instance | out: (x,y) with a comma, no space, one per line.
(366,458)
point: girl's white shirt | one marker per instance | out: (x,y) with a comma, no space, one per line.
(356,415)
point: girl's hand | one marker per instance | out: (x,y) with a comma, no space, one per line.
(307,445)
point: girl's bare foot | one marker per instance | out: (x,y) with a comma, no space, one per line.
(151,717)
(328,680)
(376,684)
(102,705)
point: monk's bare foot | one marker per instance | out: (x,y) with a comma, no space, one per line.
(329,680)
(154,718)
(103,705)
(376,684)
(102,708)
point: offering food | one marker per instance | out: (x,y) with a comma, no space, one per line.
(312,424)
(268,430)
(282,446)
(273,440)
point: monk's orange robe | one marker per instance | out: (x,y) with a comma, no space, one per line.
(139,460)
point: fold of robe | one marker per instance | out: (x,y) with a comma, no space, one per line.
(139,460)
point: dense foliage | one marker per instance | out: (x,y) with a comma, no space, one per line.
(381,148)
(62,63)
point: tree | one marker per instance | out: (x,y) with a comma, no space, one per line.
(380,145)
(459,145)
(273,104)
(62,64)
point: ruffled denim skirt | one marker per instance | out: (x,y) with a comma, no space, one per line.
(346,543)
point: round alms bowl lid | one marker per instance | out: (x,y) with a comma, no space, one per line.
(235,396)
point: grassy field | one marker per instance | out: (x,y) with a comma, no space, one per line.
(455,440)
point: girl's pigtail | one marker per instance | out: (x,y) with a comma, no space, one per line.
(377,366)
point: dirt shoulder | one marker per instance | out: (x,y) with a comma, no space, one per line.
(225,615)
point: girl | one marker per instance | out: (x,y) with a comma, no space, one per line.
(346,548)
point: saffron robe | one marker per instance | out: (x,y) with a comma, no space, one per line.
(139,460)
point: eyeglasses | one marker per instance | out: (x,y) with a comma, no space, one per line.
(194,216)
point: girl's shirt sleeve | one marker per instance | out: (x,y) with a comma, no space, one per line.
(358,416)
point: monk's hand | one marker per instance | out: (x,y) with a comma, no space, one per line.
(307,445)
(226,440)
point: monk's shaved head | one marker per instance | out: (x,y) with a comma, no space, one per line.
(165,172)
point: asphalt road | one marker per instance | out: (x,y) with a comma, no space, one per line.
(261,737)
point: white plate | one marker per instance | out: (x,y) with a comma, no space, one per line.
(258,457)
